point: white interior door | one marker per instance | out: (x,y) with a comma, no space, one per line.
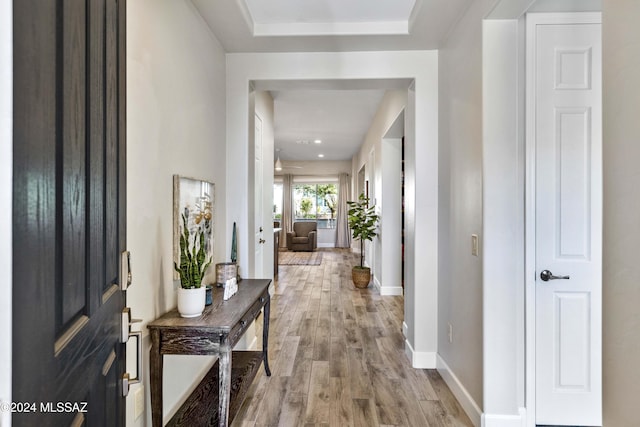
(565,50)
(258,201)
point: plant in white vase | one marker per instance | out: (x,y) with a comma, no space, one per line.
(193,265)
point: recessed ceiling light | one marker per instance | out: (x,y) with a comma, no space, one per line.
(318,141)
(320,155)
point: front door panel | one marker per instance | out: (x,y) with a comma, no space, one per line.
(68,211)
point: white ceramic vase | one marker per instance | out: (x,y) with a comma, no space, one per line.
(191,301)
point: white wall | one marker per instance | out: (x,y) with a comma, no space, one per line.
(6,189)
(391,107)
(421,66)
(460,207)
(503,228)
(386,164)
(390,235)
(175,125)
(621,270)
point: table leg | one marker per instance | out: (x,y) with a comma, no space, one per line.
(155,379)
(224,369)
(265,336)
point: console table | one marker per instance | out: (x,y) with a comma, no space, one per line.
(215,333)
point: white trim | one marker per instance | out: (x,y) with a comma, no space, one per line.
(496,420)
(326,245)
(377,284)
(405,329)
(381,67)
(469,405)
(372,28)
(503,211)
(420,360)
(530,229)
(391,291)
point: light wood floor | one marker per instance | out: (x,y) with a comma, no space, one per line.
(337,358)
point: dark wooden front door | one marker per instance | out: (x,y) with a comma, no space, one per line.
(69,195)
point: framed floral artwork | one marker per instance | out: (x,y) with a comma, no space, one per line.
(194,199)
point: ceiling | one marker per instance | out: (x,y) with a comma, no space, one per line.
(340,117)
(337,118)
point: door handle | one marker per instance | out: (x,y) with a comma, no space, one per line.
(546,275)
(127,333)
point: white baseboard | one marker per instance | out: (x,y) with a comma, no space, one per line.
(469,405)
(377,284)
(495,420)
(419,359)
(326,245)
(391,290)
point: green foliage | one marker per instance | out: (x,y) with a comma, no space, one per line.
(362,222)
(314,200)
(325,189)
(329,193)
(305,206)
(193,263)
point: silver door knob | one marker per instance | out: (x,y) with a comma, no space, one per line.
(546,275)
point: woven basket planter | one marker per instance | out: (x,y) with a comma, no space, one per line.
(361,276)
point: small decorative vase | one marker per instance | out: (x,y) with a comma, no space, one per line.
(209,297)
(191,301)
(225,271)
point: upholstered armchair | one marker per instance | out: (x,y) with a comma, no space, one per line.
(303,236)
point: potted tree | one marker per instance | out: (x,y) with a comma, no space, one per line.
(193,264)
(362,221)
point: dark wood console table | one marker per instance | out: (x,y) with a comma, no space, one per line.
(215,332)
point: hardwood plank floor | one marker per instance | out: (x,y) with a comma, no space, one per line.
(337,358)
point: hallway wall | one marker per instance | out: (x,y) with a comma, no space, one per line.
(391,106)
(175,125)
(621,271)
(460,204)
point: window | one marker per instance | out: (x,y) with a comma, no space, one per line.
(316,201)
(277,201)
(312,202)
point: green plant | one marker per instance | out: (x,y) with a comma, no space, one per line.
(362,221)
(305,206)
(193,262)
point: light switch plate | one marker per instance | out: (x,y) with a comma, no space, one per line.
(474,244)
